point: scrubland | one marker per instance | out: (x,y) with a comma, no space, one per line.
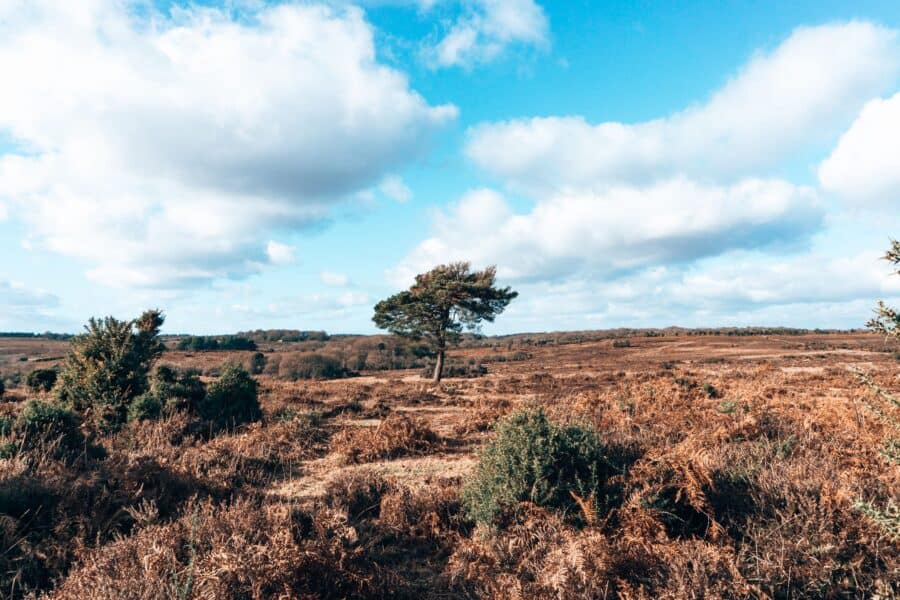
(757,466)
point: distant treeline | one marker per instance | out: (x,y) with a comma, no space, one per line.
(28,334)
(209,343)
(284,335)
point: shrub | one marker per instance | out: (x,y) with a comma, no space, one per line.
(45,421)
(6,425)
(258,363)
(711,390)
(534,460)
(177,390)
(621,344)
(231,400)
(312,366)
(107,367)
(41,380)
(2,388)
(146,407)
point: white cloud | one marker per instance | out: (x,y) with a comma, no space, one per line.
(803,91)
(280,254)
(485,29)
(622,228)
(164,151)
(394,188)
(737,288)
(865,165)
(334,279)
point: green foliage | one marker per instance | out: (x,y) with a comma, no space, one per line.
(2,388)
(535,460)
(41,380)
(621,344)
(442,303)
(887,319)
(231,400)
(6,425)
(146,407)
(178,390)
(107,366)
(312,366)
(711,390)
(41,420)
(258,363)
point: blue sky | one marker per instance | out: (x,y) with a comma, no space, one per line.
(253,165)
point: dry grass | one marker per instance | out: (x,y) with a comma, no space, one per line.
(779,485)
(397,435)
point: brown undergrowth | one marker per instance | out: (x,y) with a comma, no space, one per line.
(726,475)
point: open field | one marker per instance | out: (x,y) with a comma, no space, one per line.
(757,466)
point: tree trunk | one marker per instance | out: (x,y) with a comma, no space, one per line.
(439,366)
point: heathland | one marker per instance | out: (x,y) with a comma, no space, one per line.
(700,464)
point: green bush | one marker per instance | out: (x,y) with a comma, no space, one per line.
(107,367)
(146,407)
(258,363)
(6,425)
(178,390)
(231,400)
(312,366)
(41,420)
(534,460)
(41,380)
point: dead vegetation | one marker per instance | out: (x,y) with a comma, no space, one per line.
(779,485)
(397,435)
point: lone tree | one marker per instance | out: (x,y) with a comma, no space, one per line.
(887,319)
(441,303)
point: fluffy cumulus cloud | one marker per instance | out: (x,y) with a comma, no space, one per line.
(485,29)
(618,230)
(653,222)
(865,165)
(780,101)
(165,150)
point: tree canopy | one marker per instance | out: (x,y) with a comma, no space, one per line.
(441,304)
(887,319)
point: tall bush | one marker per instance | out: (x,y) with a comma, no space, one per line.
(107,366)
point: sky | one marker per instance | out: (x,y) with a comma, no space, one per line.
(248,164)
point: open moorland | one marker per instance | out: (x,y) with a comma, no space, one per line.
(757,466)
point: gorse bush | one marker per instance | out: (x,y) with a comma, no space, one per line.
(258,363)
(41,380)
(107,367)
(535,460)
(231,400)
(146,407)
(44,421)
(178,390)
